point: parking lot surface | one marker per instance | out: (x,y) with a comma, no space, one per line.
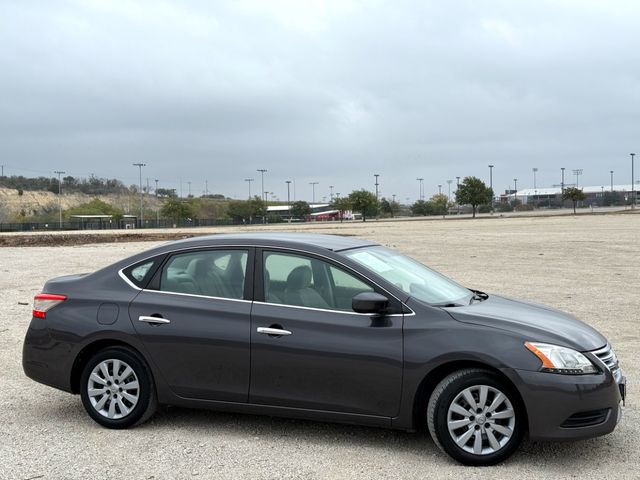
(586,265)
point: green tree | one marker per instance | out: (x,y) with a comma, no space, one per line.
(389,207)
(364,202)
(342,204)
(95,207)
(439,204)
(176,209)
(247,209)
(575,195)
(420,207)
(300,208)
(474,192)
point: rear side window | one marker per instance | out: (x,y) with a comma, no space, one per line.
(140,273)
(212,273)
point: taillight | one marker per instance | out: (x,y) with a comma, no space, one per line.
(45,301)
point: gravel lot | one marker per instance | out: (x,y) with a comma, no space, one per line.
(587,265)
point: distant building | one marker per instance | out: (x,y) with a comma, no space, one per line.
(600,195)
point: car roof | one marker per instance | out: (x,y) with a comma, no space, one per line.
(329,242)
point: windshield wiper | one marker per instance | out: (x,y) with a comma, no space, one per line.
(478,296)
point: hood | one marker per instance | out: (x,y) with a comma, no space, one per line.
(536,323)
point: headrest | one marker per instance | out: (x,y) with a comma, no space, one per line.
(300,277)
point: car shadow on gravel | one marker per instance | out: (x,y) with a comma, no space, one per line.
(183,422)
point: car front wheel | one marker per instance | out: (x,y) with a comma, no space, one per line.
(474,417)
(117,388)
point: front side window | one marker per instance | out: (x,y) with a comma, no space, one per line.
(212,273)
(410,276)
(308,282)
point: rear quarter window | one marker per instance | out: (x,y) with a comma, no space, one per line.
(140,273)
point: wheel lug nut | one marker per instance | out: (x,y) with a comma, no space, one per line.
(477,427)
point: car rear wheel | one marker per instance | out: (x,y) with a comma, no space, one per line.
(117,388)
(475,417)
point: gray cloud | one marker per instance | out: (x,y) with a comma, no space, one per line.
(320,91)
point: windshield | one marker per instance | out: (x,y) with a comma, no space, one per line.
(410,276)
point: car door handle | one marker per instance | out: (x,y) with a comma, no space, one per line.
(273,331)
(153,320)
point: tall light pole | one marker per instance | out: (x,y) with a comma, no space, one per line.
(59,194)
(140,165)
(457,188)
(535,171)
(633,185)
(577,172)
(262,172)
(189,184)
(288,182)
(206,188)
(562,181)
(331,195)
(421,197)
(313,191)
(376,175)
(157,209)
(249,180)
(515,187)
(491,177)
(611,172)
(449,183)
(439,189)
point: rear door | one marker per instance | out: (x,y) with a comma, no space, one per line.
(327,357)
(194,319)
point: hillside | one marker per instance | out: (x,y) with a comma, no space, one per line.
(37,204)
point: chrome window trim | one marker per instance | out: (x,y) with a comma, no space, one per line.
(290,249)
(334,311)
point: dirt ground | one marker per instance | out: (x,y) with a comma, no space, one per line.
(587,265)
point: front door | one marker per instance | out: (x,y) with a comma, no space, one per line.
(194,319)
(311,350)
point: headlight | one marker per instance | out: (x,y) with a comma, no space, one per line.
(556,359)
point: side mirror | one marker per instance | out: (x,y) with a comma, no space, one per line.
(369,302)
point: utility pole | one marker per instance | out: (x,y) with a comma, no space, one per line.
(189,184)
(147,192)
(611,172)
(515,187)
(313,191)
(535,171)
(562,181)
(577,172)
(439,189)
(249,180)
(140,165)
(262,172)
(449,195)
(59,194)
(376,175)
(491,177)
(421,197)
(394,198)
(458,188)
(633,185)
(288,182)
(331,196)
(157,208)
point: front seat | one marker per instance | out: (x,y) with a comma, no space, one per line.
(299,291)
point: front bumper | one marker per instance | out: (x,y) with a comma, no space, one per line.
(556,403)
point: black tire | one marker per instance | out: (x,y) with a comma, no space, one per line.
(146,403)
(449,390)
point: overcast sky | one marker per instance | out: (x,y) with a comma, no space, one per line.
(330,91)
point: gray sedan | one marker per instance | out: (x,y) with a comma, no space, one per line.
(326,328)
